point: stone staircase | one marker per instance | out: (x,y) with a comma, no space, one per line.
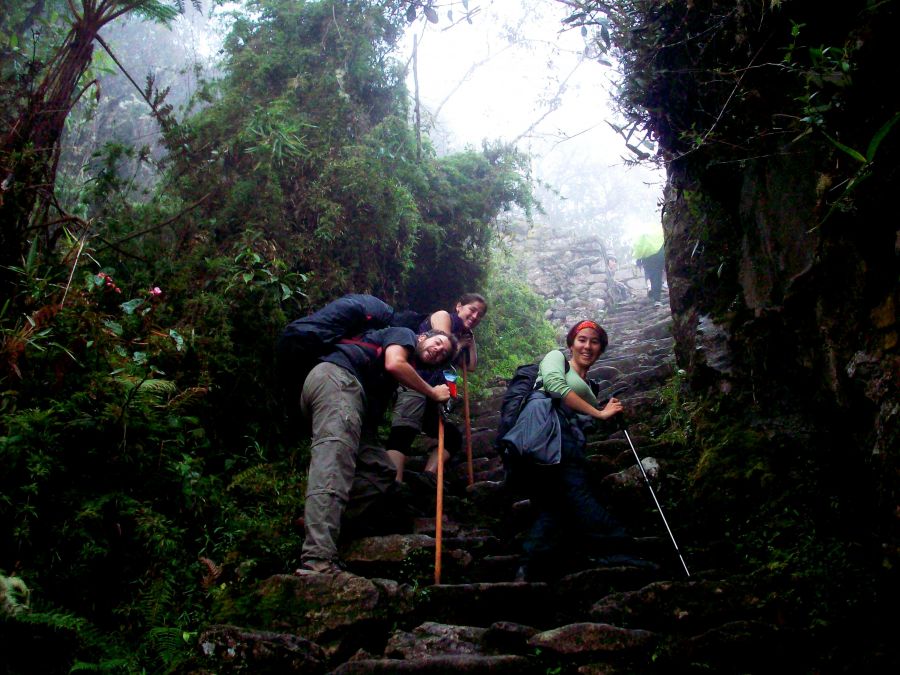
(389,616)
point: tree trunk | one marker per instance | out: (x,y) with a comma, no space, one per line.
(28,154)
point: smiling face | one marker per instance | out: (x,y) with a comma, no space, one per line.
(433,350)
(471,313)
(586,347)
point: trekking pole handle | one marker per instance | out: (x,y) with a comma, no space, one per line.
(450,377)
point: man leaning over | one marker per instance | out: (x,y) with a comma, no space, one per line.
(344,398)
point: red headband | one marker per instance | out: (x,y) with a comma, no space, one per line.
(587,324)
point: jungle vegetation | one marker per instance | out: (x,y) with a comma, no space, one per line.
(144,439)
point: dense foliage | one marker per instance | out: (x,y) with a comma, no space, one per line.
(781,145)
(147,448)
(714,85)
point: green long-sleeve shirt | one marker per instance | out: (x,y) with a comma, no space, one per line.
(557,380)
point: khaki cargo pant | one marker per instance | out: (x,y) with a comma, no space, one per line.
(340,471)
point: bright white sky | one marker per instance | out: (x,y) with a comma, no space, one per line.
(510,90)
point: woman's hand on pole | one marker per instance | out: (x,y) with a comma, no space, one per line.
(467,356)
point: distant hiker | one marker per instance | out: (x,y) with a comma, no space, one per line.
(549,439)
(413,413)
(650,256)
(344,398)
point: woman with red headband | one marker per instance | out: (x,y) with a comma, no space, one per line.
(567,509)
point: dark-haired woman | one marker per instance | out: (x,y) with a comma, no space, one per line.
(567,511)
(412,412)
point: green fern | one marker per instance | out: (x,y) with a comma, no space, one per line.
(113,658)
(156,392)
(256,479)
(13,595)
(157,600)
(159,12)
(105,666)
(157,387)
(170,646)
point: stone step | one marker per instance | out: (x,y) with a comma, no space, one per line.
(481,604)
(448,663)
(612,618)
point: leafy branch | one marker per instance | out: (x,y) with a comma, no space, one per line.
(866,162)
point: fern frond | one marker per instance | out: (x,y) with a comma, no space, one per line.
(159,12)
(168,645)
(259,478)
(113,657)
(105,666)
(187,396)
(198,5)
(126,382)
(13,595)
(158,388)
(213,572)
(157,599)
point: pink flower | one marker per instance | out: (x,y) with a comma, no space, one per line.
(156,290)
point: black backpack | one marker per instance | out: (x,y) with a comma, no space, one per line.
(304,340)
(524,381)
(409,318)
(350,315)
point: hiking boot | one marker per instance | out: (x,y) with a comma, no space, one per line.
(422,483)
(314,566)
(400,509)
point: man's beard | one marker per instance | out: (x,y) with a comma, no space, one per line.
(420,356)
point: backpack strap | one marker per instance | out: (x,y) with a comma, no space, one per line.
(378,349)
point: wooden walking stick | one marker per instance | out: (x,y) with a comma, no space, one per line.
(468,425)
(440,502)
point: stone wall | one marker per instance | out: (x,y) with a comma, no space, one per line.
(769,297)
(569,270)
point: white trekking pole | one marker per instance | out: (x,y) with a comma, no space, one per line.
(656,501)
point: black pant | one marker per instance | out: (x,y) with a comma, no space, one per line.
(570,521)
(653,270)
(401,438)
